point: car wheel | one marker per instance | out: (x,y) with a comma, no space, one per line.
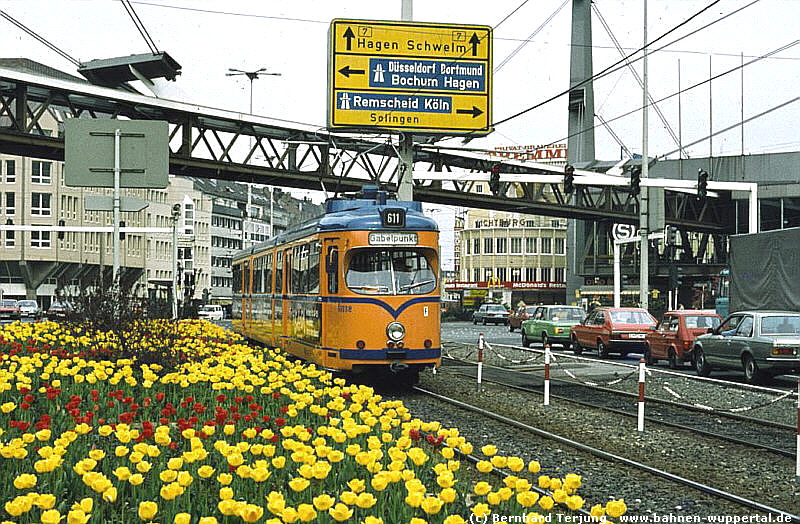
(576,347)
(648,357)
(674,363)
(752,375)
(474,321)
(602,349)
(485,322)
(701,366)
(525,342)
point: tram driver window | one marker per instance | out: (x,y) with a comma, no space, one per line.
(331,269)
(388,271)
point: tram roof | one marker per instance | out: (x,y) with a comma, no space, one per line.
(350,214)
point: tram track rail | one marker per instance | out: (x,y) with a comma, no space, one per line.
(762,436)
(616,459)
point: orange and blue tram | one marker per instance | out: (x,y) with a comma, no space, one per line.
(355,290)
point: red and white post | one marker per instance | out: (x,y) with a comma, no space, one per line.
(640,422)
(480,360)
(547,374)
(797,448)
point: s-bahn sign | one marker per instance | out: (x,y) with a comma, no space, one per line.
(410,76)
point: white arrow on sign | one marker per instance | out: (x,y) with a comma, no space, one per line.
(127,204)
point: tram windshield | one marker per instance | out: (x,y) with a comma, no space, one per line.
(390,271)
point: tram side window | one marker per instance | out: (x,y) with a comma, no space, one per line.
(268,273)
(258,275)
(298,261)
(279,273)
(246,283)
(312,280)
(237,279)
(332,269)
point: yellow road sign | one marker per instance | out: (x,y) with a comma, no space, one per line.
(428,78)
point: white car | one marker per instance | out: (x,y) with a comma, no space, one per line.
(211,312)
(29,308)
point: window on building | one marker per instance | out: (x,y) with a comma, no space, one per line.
(11,207)
(188,217)
(40,239)
(547,246)
(530,245)
(40,204)
(10,238)
(555,224)
(488,245)
(500,272)
(466,249)
(479,188)
(40,172)
(502,245)
(487,273)
(545,273)
(11,171)
(476,246)
(530,274)
(560,275)
(516,274)
(476,274)
(516,245)
(559,245)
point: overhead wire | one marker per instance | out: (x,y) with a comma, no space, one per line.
(41,39)
(527,41)
(140,26)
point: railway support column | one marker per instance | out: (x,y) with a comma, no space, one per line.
(797,448)
(547,374)
(640,421)
(480,360)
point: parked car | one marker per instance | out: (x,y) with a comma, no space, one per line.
(760,343)
(211,312)
(494,313)
(673,337)
(29,308)
(519,315)
(9,310)
(551,324)
(609,329)
(58,310)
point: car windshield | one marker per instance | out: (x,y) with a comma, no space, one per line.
(8,303)
(530,309)
(207,308)
(701,321)
(391,271)
(565,313)
(631,317)
(26,303)
(780,325)
(496,308)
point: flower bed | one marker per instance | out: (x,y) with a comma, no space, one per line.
(231,433)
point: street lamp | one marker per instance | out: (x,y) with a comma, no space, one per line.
(252,75)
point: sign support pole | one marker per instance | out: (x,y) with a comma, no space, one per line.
(405,179)
(644,259)
(115,273)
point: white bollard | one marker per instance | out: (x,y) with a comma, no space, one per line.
(547,374)
(640,424)
(480,360)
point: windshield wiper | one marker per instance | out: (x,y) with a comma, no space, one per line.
(413,285)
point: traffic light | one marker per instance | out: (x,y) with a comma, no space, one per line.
(702,184)
(675,280)
(671,236)
(569,179)
(122,233)
(636,180)
(494,180)
(60,234)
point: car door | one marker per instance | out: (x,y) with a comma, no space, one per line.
(739,342)
(582,331)
(596,328)
(717,346)
(657,337)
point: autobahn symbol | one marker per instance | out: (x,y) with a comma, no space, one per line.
(429,78)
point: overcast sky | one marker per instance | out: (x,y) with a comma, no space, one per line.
(290,38)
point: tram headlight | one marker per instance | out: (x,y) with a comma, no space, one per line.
(395,331)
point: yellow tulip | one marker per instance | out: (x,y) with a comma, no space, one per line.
(454,519)
(482,488)
(484,466)
(365,500)
(51,516)
(489,450)
(615,508)
(110,494)
(546,502)
(481,510)
(77,516)
(534,466)
(340,512)
(574,502)
(251,513)
(298,483)
(323,502)
(306,512)
(182,518)
(431,505)
(147,510)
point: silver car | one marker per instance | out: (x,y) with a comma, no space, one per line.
(760,343)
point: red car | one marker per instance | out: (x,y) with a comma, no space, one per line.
(674,336)
(9,309)
(518,316)
(609,329)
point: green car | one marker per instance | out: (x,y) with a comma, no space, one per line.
(760,343)
(551,325)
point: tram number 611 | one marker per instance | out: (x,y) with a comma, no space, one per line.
(393,217)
